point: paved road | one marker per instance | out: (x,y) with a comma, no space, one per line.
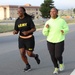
(11,63)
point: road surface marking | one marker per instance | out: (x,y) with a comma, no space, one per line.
(73,73)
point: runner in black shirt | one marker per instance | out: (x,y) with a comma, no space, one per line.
(25,27)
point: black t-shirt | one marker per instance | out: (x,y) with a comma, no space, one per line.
(24,24)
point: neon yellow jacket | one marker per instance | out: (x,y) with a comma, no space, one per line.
(54,33)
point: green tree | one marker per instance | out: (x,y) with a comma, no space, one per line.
(74,10)
(45,8)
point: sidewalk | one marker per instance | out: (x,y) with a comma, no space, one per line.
(11,33)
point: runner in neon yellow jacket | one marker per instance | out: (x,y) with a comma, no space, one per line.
(56,31)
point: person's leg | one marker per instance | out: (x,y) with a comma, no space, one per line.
(59,48)
(23,55)
(25,60)
(31,54)
(30,44)
(51,48)
(58,54)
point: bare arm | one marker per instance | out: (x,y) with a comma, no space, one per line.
(30,31)
(15,32)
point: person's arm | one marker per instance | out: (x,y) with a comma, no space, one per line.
(30,31)
(65,28)
(16,30)
(45,30)
(32,26)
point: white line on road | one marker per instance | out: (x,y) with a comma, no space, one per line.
(73,73)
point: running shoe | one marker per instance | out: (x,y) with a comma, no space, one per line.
(28,68)
(56,71)
(61,67)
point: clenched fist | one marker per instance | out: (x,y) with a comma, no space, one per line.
(15,32)
(47,26)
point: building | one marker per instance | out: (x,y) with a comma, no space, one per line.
(10,11)
(67,12)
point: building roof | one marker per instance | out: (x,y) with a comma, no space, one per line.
(19,5)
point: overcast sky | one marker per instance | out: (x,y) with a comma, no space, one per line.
(60,4)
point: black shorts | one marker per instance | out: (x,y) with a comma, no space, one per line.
(28,44)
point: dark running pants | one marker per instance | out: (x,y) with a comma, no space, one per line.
(56,51)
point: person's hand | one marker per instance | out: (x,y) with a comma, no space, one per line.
(25,32)
(62,31)
(47,26)
(15,32)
